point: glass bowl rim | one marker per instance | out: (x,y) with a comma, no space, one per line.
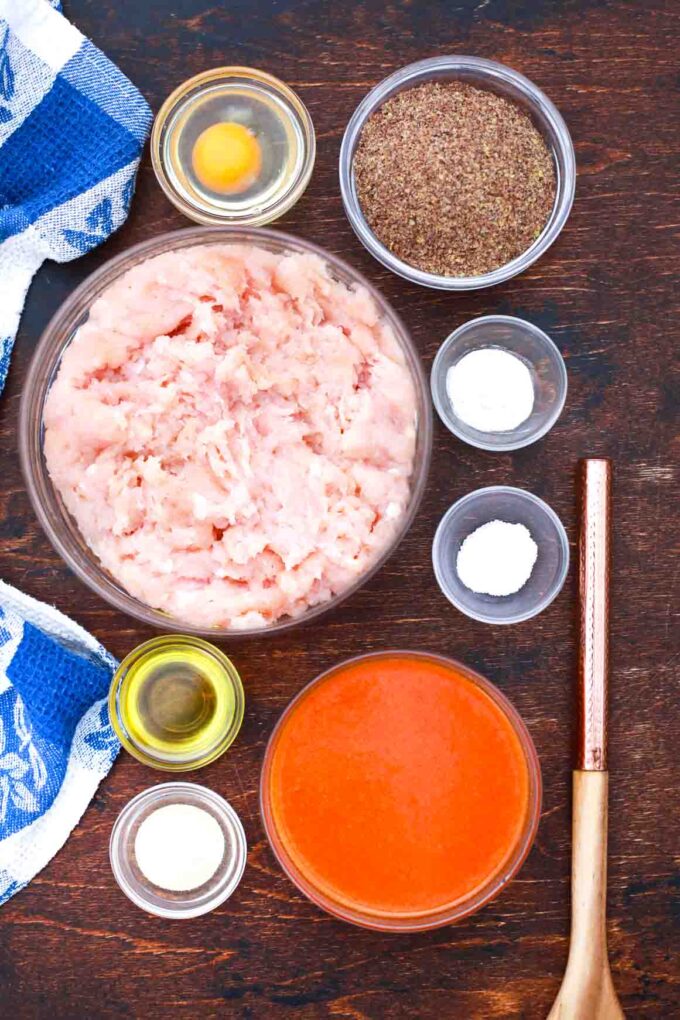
(232,676)
(59,331)
(196,793)
(543,109)
(527,497)
(294,192)
(446,915)
(467,436)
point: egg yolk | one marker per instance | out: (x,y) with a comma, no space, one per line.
(227,158)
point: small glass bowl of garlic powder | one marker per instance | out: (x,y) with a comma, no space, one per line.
(499,383)
(178,850)
(500,555)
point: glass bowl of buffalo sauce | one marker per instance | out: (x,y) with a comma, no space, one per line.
(400,791)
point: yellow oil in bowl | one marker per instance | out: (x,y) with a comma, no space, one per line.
(176,702)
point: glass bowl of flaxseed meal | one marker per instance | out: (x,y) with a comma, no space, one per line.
(457,173)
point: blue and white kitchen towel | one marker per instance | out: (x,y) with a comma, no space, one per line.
(56,741)
(71,132)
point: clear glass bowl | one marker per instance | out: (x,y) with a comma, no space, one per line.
(57,523)
(497,78)
(534,348)
(515,506)
(163,902)
(231,92)
(421,922)
(206,657)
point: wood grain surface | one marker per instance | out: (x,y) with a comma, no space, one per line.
(71,945)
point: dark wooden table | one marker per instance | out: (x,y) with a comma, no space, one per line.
(71,945)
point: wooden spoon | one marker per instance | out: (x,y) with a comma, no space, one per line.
(587,991)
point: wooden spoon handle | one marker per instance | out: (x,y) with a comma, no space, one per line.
(589,863)
(587,992)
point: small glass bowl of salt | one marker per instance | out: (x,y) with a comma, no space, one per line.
(178,850)
(499,383)
(500,555)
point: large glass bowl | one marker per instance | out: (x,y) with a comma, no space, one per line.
(475,900)
(58,524)
(494,77)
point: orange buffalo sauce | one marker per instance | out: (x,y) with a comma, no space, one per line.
(397,786)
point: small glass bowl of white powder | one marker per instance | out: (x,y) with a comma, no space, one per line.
(178,850)
(499,383)
(500,555)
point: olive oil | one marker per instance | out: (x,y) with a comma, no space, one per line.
(176,702)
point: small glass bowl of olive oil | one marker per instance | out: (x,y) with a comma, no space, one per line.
(176,703)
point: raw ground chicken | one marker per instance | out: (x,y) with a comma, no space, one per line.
(234,433)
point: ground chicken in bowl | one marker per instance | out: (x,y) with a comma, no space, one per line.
(234,432)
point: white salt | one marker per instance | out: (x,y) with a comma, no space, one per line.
(497,559)
(491,390)
(179,847)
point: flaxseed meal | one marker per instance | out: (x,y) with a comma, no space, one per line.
(454,179)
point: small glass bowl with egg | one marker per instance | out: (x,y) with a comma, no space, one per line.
(547,569)
(233,145)
(525,397)
(178,850)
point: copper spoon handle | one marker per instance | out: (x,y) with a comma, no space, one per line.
(594,555)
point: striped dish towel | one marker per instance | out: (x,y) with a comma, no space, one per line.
(72,129)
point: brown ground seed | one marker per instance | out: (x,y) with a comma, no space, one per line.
(453,179)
